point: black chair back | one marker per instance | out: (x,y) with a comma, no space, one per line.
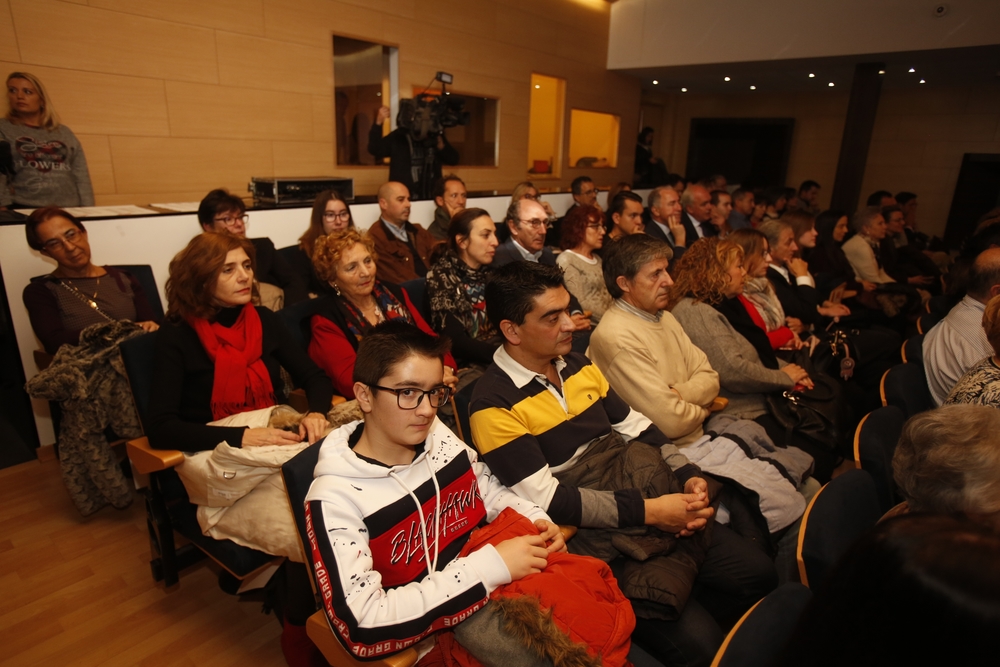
(298,476)
(875,443)
(291,254)
(913,350)
(838,515)
(296,318)
(143,273)
(760,636)
(905,386)
(927,321)
(139,356)
(417,289)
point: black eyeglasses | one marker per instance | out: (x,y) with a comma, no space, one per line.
(408,398)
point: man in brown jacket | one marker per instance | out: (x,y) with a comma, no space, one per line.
(403,248)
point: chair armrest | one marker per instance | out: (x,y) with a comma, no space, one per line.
(337,400)
(319,632)
(147,460)
(568,532)
(718,403)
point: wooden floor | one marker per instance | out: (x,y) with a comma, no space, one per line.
(78,591)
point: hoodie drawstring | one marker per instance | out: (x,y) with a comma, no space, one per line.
(431,565)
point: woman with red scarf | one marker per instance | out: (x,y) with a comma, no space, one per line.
(218,355)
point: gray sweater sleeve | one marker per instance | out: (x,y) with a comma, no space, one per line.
(81,174)
(731,355)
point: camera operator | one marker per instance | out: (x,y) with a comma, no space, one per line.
(408,158)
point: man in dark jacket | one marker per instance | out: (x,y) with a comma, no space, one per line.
(414,163)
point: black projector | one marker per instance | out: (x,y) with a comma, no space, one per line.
(297,191)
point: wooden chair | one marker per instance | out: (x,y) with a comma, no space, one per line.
(758,638)
(905,386)
(874,444)
(167,507)
(836,516)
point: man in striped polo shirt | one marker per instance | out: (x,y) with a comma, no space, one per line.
(552,430)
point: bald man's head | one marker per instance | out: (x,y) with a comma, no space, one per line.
(984,278)
(697,201)
(394,202)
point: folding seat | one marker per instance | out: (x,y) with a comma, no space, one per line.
(905,386)
(759,637)
(874,444)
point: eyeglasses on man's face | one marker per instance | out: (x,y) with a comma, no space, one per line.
(534,223)
(337,215)
(232,220)
(71,237)
(409,398)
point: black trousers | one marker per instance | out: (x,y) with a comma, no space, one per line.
(735,574)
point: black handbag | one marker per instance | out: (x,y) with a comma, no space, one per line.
(836,354)
(818,414)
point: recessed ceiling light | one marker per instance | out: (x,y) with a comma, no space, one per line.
(922,81)
(830,84)
(684,90)
(753,87)
(881,71)
(655,82)
(911,70)
(726,79)
(811,75)
(537,86)
(447,93)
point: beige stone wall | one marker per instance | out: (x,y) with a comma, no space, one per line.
(171,98)
(917,145)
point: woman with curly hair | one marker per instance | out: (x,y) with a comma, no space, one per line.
(710,277)
(456,287)
(582,235)
(346,260)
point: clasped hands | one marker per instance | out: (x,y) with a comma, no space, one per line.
(681,514)
(312,427)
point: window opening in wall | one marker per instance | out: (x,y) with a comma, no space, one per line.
(593,139)
(363,81)
(545,125)
(477,142)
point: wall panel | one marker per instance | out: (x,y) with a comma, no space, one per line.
(243,16)
(8,38)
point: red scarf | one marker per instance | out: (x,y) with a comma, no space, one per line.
(241,382)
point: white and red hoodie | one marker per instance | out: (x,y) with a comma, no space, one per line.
(370,545)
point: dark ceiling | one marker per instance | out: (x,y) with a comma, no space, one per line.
(979,65)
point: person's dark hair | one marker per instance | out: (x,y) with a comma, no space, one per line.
(627,257)
(904,197)
(983,275)
(195,270)
(574,225)
(511,290)
(618,203)
(461,225)
(219,201)
(644,134)
(618,188)
(771,195)
(677,182)
(807,185)
(875,198)
(918,589)
(513,214)
(715,194)
(576,187)
(740,193)
(440,184)
(44,214)
(307,240)
(825,222)
(390,343)
(889,210)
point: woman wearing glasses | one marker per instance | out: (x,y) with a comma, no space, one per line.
(77,293)
(221,211)
(330,213)
(346,261)
(583,234)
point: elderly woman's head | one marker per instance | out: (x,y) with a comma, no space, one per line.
(346,260)
(991,323)
(215,270)
(869,222)
(58,234)
(583,229)
(948,461)
(711,270)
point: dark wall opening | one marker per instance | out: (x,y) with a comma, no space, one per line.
(750,151)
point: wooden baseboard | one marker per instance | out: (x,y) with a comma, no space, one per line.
(46,453)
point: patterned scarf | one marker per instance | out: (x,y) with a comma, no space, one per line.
(455,289)
(389,308)
(760,293)
(241,382)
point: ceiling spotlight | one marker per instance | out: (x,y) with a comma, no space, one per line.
(922,81)
(537,86)
(911,70)
(881,71)
(811,75)
(830,84)
(726,79)
(684,90)
(655,82)
(753,87)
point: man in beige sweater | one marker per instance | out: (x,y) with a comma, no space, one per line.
(642,349)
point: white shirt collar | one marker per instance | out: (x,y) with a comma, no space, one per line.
(399,231)
(518,374)
(527,254)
